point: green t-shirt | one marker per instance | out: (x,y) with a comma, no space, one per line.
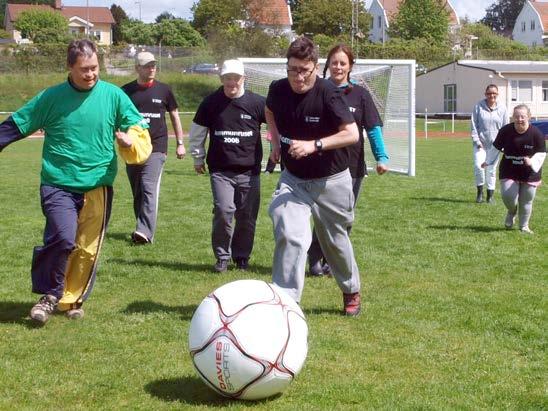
(78,153)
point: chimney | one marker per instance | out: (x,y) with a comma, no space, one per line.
(58,5)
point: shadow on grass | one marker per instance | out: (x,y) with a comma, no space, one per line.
(475,228)
(126,237)
(176,266)
(12,312)
(193,391)
(147,307)
(442,199)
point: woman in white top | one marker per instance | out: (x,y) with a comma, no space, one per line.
(488,117)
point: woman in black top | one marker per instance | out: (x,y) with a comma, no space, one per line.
(340,60)
(520,172)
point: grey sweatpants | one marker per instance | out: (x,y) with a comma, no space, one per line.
(315,253)
(235,196)
(330,202)
(145,185)
(518,198)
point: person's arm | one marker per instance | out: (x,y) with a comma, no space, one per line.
(176,123)
(376,141)
(274,136)
(9,133)
(197,137)
(474,120)
(348,134)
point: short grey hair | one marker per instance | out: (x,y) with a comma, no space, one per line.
(80,48)
(523,106)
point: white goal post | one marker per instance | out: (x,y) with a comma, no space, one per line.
(392,86)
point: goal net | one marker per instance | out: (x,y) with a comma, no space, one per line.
(392,86)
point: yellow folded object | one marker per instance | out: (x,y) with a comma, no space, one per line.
(141,148)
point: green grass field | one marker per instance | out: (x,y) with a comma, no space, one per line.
(454,313)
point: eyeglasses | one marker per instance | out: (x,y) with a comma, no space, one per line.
(491,94)
(295,71)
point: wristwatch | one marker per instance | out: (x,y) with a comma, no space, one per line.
(179,142)
(318,144)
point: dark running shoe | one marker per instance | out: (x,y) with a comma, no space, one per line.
(315,270)
(352,304)
(139,239)
(242,263)
(45,306)
(221,266)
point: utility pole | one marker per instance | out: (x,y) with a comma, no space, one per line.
(139,3)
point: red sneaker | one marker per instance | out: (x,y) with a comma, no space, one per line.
(352,304)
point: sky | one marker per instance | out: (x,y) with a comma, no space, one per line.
(149,9)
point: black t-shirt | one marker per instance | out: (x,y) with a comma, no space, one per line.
(234,131)
(366,116)
(153,102)
(315,114)
(515,146)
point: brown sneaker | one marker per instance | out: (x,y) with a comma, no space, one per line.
(352,304)
(75,313)
(45,306)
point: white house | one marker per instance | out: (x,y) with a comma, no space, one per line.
(456,87)
(382,12)
(531,26)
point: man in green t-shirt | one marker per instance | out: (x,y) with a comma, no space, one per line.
(81,119)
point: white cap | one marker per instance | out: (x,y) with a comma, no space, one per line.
(144,57)
(232,67)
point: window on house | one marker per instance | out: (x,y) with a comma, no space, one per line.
(544,90)
(96,34)
(379,21)
(532,25)
(450,98)
(522,90)
(522,26)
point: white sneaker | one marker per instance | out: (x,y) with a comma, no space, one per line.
(526,230)
(509,220)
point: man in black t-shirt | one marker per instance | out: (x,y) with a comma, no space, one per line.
(311,125)
(153,99)
(232,117)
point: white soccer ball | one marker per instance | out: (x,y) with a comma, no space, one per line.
(248,340)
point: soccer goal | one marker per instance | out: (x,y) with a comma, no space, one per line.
(392,86)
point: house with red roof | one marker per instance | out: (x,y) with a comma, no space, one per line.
(383,11)
(531,26)
(272,16)
(82,20)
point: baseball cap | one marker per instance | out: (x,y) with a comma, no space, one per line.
(232,67)
(144,57)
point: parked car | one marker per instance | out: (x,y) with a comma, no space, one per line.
(203,68)
(543,126)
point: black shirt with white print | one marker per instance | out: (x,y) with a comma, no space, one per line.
(515,146)
(153,102)
(315,114)
(234,131)
(366,116)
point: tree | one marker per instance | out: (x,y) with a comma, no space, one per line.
(426,19)
(4,2)
(501,15)
(119,15)
(210,15)
(177,32)
(331,18)
(163,16)
(136,32)
(42,26)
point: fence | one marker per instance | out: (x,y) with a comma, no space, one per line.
(439,118)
